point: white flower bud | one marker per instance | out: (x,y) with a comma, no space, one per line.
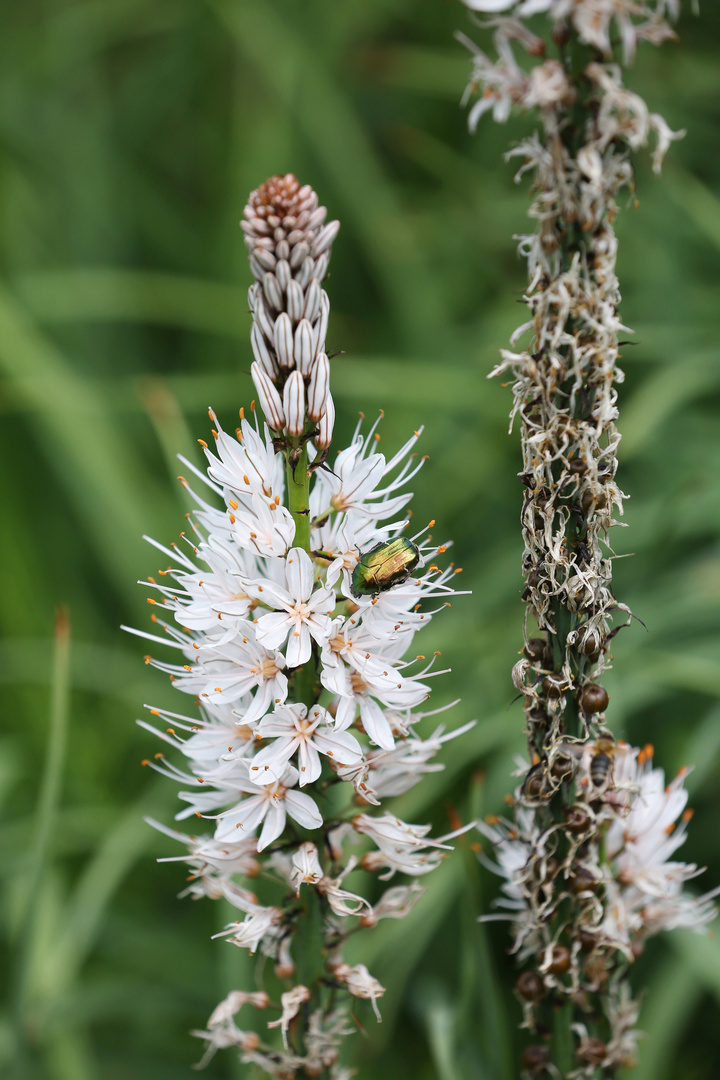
(319,387)
(263,319)
(305,272)
(283,337)
(320,328)
(312,301)
(253,293)
(270,402)
(271,288)
(317,218)
(325,237)
(282,273)
(321,265)
(303,350)
(299,252)
(295,301)
(256,268)
(282,250)
(294,404)
(262,353)
(325,427)
(266,259)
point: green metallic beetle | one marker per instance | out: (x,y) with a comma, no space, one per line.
(383,566)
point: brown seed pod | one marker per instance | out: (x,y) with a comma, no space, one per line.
(560,960)
(535,1057)
(530,986)
(534,648)
(594,699)
(577,819)
(592,1052)
(593,500)
(591,644)
(563,766)
(535,785)
(534,578)
(587,939)
(581,880)
(551,688)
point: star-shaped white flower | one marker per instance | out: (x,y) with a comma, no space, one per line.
(300,612)
(269,805)
(294,729)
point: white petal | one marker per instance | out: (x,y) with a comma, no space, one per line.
(299,647)
(339,745)
(272,629)
(375,724)
(274,823)
(299,574)
(302,809)
(309,764)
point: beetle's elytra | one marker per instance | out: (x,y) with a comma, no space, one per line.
(383,566)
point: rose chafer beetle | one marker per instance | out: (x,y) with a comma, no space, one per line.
(383,566)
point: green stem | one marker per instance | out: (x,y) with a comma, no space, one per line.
(562,1040)
(298,486)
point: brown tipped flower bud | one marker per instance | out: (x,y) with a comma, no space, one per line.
(262,353)
(294,404)
(303,352)
(270,402)
(319,387)
(320,330)
(530,986)
(594,699)
(325,427)
(283,337)
(312,301)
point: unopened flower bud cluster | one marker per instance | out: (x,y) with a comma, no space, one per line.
(588,856)
(307,709)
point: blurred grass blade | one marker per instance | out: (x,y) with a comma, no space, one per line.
(117,854)
(700,953)
(136,296)
(694,199)
(323,113)
(47,813)
(437,1018)
(93,459)
(173,433)
(670,1000)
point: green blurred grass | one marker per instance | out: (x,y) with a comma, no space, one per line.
(130,134)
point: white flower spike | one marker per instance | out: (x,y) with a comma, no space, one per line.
(302,686)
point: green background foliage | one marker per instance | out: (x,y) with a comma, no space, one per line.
(131,132)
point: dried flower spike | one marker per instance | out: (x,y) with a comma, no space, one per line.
(587,860)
